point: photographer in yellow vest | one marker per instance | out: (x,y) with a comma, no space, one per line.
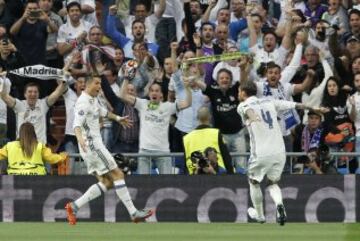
(26,156)
(201,139)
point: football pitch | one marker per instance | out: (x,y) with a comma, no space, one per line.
(178,231)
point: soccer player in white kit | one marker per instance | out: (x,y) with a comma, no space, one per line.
(267,148)
(98,159)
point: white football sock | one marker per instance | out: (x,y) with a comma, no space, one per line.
(123,194)
(257,198)
(93,192)
(275,193)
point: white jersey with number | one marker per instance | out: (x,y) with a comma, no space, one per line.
(265,133)
(88,110)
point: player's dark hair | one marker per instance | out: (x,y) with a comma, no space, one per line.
(249,87)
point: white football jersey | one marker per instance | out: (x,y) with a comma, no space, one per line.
(88,111)
(265,133)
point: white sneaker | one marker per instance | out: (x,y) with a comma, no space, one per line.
(254,215)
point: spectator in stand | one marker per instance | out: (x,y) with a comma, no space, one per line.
(338,128)
(168,29)
(314,11)
(33,109)
(222,37)
(309,138)
(337,15)
(72,35)
(52,56)
(165,75)
(240,34)
(354,23)
(353,107)
(237,10)
(186,119)
(110,74)
(87,9)
(142,14)
(146,71)
(196,12)
(138,30)
(6,18)
(76,165)
(224,101)
(31,32)
(206,47)
(154,121)
(10,58)
(26,156)
(124,139)
(119,58)
(269,52)
(94,54)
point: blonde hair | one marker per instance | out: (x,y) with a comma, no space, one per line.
(27,139)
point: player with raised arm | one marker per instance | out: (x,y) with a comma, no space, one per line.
(267,155)
(98,159)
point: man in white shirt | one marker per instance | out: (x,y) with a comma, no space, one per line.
(88,8)
(72,35)
(98,159)
(33,109)
(154,124)
(266,147)
(354,112)
(269,51)
(150,21)
(70,142)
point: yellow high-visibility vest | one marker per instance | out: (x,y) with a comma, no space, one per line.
(18,164)
(199,140)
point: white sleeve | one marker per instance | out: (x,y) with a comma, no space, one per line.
(317,93)
(61,37)
(44,105)
(140,104)
(172,107)
(91,3)
(348,105)
(281,105)
(282,56)
(288,73)
(19,106)
(80,113)
(260,89)
(219,5)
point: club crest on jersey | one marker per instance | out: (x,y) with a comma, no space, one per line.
(81,112)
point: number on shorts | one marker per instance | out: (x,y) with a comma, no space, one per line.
(267,118)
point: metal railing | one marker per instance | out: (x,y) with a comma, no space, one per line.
(173,155)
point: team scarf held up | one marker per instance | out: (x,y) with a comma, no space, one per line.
(290,117)
(39,72)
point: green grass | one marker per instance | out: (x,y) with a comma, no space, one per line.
(178,231)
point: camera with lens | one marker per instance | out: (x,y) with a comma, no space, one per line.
(198,158)
(126,165)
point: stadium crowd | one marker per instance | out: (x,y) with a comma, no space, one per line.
(302,50)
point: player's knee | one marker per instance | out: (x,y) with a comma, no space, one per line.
(254,182)
(272,182)
(117,174)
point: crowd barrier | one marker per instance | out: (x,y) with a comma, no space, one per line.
(180,198)
(63,168)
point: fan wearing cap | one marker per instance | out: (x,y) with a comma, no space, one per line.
(309,137)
